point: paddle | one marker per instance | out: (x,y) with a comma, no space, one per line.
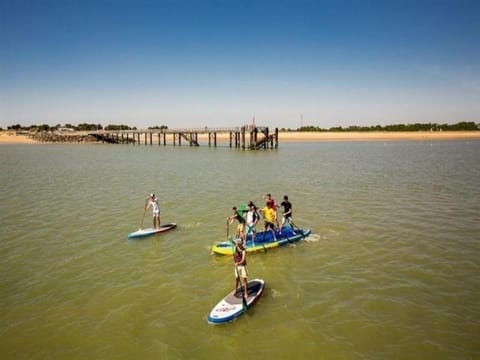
(143,218)
(296,227)
(244,301)
(144,211)
(228,229)
(237,273)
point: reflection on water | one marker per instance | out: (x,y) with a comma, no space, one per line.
(391,270)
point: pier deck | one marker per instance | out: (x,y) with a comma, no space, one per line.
(258,137)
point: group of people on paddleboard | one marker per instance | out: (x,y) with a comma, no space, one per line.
(247,220)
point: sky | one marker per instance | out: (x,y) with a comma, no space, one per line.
(284,63)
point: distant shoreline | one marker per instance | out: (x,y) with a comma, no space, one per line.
(377,136)
(10,137)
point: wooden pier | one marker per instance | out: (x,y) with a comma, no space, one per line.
(258,137)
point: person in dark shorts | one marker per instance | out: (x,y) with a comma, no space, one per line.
(287,213)
(270,200)
(269,217)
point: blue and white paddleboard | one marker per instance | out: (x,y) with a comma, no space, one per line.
(231,307)
(147,232)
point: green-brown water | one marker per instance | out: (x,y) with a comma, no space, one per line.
(392,269)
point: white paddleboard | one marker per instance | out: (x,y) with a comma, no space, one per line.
(150,231)
(231,307)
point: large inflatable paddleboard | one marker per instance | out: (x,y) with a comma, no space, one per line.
(147,232)
(264,241)
(231,307)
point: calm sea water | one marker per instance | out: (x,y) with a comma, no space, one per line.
(391,271)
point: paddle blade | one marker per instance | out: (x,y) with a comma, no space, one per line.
(244,304)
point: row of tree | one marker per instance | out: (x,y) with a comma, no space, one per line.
(464,126)
(461,126)
(79,127)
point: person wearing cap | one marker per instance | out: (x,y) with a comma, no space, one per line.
(237,216)
(152,201)
(252,220)
(240,260)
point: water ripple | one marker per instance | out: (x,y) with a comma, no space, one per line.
(390,271)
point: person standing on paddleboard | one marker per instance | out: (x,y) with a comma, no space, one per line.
(240,260)
(269,200)
(152,201)
(252,220)
(269,218)
(240,233)
(287,213)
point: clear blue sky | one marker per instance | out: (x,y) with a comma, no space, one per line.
(220,63)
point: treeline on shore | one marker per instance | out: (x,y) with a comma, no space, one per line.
(461,126)
(79,127)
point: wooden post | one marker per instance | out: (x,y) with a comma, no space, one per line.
(243,137)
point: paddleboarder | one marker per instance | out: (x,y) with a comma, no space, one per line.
(269,200)
(240,260)
(287,213)
(152,201)
(269,218)
(252,220)
(236,216)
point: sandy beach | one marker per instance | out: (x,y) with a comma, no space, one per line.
(10,137)
(376,136)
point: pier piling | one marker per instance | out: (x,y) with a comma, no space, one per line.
(245,137)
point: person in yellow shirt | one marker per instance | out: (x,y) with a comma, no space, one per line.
(269,216)
(269,200)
